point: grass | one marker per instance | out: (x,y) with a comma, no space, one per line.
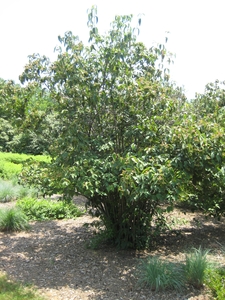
(11,191)
(10,168)
(196,266)
(160,275)
(13,219)
(10,290)
(8,192)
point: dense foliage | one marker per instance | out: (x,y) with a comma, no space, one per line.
(215,281)
(118,131)
(27,119)
(11,163)
(44,209)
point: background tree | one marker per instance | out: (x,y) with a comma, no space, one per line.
(27,117)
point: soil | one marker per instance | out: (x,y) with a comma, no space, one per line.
(54,257)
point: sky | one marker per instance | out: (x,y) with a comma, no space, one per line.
(196,33)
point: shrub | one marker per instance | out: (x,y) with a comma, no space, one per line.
(111,110)
(13,219)
(9,170)
(161,275)
(196,266)
(6,134)
(11,163)
(47,209)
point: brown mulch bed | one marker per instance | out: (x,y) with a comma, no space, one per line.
(54,257)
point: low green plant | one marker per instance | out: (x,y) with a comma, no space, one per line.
(10,190)
(11,163)
(44,209)
(13,219)
(9,170)
(25,191)
(196,266)
(197,270)
(176,221)
(215,280)
(160,275)
(17,158)
(11,290)
(7,191)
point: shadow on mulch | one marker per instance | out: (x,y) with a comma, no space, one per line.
(54,256)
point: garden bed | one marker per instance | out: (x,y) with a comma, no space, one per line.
(54,257)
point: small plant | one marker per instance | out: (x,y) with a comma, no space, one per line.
(11,163)
(175,221)
(196,266)
(13,219)
(10,191)
(39,210)
(161,275)
(215,280)
(11,290)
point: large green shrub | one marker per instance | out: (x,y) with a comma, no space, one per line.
(112,101)
(6,134)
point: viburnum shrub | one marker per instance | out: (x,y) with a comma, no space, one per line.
(112,99)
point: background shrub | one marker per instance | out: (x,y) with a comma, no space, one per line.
(11,163)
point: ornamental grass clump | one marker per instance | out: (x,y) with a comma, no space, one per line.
(160,275)
(11,191)
(196,266)
(13,219)
(8,192)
